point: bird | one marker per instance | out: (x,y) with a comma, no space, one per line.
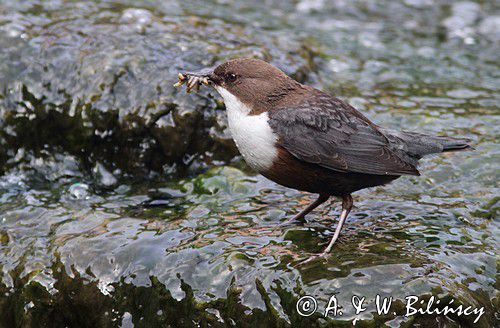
(305,139)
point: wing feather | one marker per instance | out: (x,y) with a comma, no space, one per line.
(325,131)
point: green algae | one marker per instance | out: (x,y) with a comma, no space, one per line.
(124,202)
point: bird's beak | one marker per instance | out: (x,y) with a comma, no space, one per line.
(195,79)
(204,73)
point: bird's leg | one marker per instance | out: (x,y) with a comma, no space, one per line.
(346,208)
(321,199)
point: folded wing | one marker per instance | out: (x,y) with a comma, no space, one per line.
(326,131)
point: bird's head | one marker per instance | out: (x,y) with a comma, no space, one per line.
(252,81)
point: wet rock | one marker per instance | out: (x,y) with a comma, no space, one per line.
(100,86)
(85,94)
(103,176)
(215,252)
(490,28)
(419,3)
(138,18)
(79,191)
(463,93)
(465,13)
(461,23)
(310,5)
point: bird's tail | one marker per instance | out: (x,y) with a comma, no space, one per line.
(419,145)
(454,144)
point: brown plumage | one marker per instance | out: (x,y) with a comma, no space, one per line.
(322,144)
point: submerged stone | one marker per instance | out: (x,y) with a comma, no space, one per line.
(100,86)
(79,191)
(116,207)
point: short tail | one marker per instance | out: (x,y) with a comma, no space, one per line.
(454,144)
(418,145)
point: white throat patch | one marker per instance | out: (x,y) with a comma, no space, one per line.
(252,133)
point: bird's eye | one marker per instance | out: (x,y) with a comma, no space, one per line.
(231,77)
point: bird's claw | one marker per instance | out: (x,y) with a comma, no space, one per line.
(312,258)
(285,223)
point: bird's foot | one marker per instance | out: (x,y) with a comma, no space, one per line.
(299,219)
(321,256)
(286,222)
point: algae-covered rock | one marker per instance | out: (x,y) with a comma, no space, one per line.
(97,82)
(117,207)
(209,251)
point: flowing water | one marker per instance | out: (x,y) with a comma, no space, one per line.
(123,201)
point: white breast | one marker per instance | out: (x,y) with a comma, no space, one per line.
(252,134)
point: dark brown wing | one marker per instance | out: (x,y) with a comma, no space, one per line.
(326,131)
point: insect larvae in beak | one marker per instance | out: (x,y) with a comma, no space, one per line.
(190,83)
(182,79)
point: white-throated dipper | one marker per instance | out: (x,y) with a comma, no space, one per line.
(305,139)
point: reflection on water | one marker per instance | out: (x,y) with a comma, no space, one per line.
(192,236)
